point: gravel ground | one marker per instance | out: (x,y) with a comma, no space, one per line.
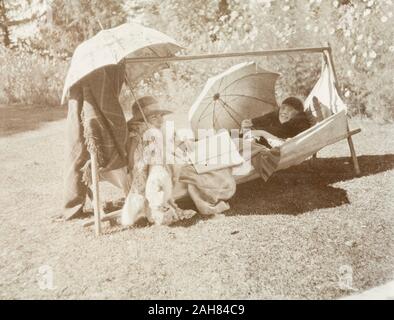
(310,232)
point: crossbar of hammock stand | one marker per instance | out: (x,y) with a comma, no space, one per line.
(227,55)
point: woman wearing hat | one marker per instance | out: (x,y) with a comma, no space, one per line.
(151,117)
(145,149)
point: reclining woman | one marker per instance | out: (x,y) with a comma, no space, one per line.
(272,129)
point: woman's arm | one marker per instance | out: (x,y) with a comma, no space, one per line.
(263,133)
(272,140)
(131,147)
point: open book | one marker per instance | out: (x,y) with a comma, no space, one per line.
(213,153)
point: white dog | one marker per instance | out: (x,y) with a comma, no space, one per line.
(157,204)
(133,209)
(158,192)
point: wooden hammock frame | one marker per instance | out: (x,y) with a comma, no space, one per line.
(97,208)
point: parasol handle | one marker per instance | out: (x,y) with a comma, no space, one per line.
(136,100)
(99,22)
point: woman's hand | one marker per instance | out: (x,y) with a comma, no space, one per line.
(246,124)
(273,141)
(276,142)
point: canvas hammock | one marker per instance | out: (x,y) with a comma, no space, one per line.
(329,113)
(325,105)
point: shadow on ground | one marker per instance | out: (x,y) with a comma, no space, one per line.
(17,119)
(300,189)
(293,191)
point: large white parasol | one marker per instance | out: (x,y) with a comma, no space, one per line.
(243,91)
(110,46)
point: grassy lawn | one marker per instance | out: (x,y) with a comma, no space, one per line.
(289,238)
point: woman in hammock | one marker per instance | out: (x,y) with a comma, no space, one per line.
(274,128)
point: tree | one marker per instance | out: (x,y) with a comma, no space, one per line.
(75,21)
(10,9)
(4,24)
(223,8)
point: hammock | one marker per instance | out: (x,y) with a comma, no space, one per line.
(324,104)
(329,113)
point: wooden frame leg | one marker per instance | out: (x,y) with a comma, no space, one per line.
(354,156)
(312,161)
(349,138)
(96,194)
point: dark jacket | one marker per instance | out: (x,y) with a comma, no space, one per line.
(270,123)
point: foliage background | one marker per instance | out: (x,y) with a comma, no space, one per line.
(32,67)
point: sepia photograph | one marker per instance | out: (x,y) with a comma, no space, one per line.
(206,150)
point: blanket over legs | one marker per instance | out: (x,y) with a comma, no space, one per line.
(209,191)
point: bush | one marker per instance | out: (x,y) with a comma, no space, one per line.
(29,78)
(360,33)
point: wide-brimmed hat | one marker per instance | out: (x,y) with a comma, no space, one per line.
(149,106)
